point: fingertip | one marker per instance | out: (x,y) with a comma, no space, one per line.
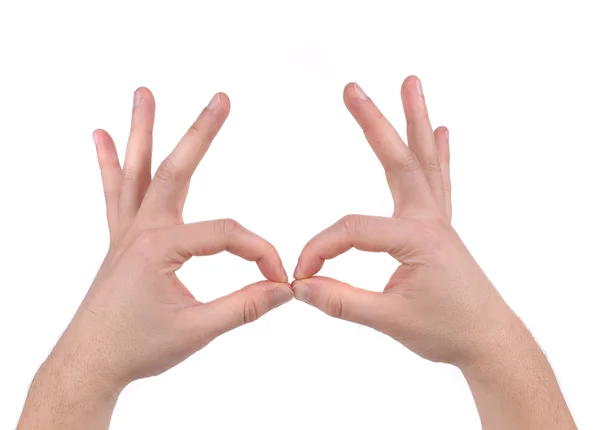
(272,268)
(284,275)
(297,272)
(143,97)
(410,83)
(100,137)
(219,105)
(442,132)
(349,90)
(96,136)
(302,290)
(354,94)
(144,93)
(442,137)
(307,268)
(282,293)
(226,102)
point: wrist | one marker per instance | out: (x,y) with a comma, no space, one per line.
(513,383)
(65,394)
(78,375)
(507,347)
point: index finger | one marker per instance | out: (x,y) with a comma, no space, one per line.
(168,190)
(403,170)
(366,233)
(184,241)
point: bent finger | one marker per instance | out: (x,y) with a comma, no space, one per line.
(366,233)
(212,237)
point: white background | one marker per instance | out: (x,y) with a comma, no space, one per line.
(517,83)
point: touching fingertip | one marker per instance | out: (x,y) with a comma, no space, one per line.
(302,291)
(284,274)
(282,295)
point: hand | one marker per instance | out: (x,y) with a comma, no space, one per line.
(438,303)
(138,319)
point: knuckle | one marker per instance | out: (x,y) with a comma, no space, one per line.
(195,130)
(333,305)
(374,124)
(137,130)
(166,172)
(147,242)
(405,163)
(408,163)
(354,223)
(431,234)
(433,164)
(249,311)
(226,226)
(230,225)
(197,133)
(129,174)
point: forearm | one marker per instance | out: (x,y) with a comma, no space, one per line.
(515,387)
(66,395)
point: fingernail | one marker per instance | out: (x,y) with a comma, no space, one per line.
(282,295)
(302,292)
(96,140)
(447,134)
(297,271)
(137,97)
(214,103)
(358,92)
(284,273)
(419,87)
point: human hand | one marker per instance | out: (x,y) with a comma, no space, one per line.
(438,303)
(138,319)
(145,319)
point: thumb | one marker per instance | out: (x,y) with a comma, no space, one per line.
(214,318)
(341,300)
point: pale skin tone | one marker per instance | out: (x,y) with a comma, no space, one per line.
(438,303)
(139,320)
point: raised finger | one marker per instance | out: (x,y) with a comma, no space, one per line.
(442,144)
(138,156)
(168,190)
(110,170)
(420,136)
(402,168)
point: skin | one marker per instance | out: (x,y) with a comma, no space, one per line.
(438,303)
(138,319)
